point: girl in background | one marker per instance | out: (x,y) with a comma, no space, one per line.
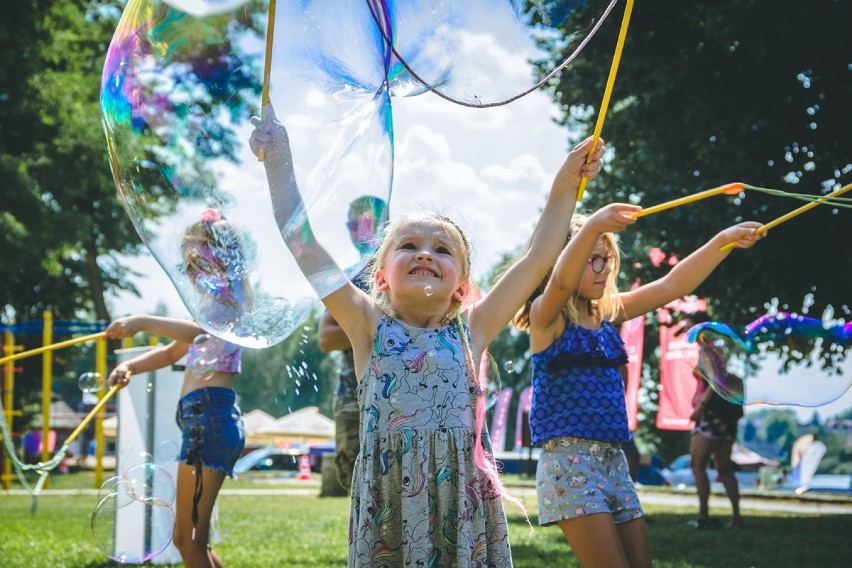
(208,416)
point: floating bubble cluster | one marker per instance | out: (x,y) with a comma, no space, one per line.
(183,77)
(138,502)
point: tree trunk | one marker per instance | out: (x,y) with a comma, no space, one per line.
(96,281)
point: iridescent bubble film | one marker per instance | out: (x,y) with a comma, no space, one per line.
(134,520)
(742,368)
(182,79)
(205,7)
(716,349)
(150,483)
(116,485)
(131,531)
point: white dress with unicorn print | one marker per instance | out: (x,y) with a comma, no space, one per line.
(418,497)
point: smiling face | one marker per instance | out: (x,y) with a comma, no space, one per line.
(423,258)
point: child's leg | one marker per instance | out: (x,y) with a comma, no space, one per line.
(699,459)
(725,467)
(636,544)
(195,551)
(595,541)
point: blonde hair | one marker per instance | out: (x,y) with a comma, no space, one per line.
(457,241)
(608,307)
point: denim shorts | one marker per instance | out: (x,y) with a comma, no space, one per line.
(213,433)
(577,477)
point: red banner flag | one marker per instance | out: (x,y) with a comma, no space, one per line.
(633,335)
(677,385)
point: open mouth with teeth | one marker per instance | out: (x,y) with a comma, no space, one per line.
(421,271)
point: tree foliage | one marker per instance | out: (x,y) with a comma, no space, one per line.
(63,227)
(713,92)
(61,219)
(291,375)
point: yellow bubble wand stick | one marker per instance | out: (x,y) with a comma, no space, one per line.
(728,189)
(267,67)
(616,59)
(97,408)
(793,213)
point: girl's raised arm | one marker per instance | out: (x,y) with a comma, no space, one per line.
(568,272)
(347,304)
(689,273)
(548,238)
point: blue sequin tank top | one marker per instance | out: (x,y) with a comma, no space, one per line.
(577,387)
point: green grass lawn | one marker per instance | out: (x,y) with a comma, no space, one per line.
(294,531)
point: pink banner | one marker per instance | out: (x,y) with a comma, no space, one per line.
(499,421)
(522,422)
(677,385)
(633,335)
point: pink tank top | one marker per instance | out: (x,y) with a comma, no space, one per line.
(209,353)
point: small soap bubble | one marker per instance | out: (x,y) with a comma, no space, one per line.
(128,458)
(112,517)
(428,290)
(167,452)
(117,486)
(90,382)
(206,351)
(150,483)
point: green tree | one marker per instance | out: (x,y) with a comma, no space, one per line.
(60,210)
(709,93)
(290,375)
(63,227)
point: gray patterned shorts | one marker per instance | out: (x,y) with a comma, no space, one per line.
(577,477)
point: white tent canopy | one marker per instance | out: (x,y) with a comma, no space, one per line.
(306,426)
(257,419)
(302,426)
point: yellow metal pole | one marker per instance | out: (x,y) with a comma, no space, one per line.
(46,387)
(610,82)
(52,346)
(101,369)
(8,400)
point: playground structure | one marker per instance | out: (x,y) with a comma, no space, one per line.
(11,353)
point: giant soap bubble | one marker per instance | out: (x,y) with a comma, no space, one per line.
(183,77)
(740,367)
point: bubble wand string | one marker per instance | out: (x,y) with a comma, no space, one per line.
(267,67)
(616,59)
(792,214)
